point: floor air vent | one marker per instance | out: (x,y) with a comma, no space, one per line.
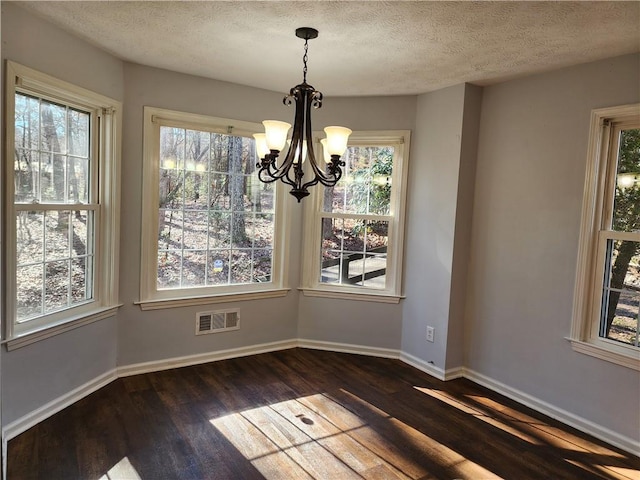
(218,321)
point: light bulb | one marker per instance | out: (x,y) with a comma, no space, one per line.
(304,151)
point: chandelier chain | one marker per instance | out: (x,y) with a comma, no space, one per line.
(305,57)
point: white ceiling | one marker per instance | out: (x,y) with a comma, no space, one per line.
(364,48)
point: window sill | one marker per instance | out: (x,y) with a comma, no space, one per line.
(361,296)
(610,354)
(24,339)
(210,299)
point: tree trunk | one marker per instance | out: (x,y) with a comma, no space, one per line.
(236,189)
(327,206)
(618,274)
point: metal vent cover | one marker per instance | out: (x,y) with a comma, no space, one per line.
(217,321)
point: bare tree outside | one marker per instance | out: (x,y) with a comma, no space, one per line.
(51,171)
(215,223)
(622,302)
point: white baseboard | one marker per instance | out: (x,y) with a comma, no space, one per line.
(625,443)
(423,366)
(177,362)
(27,421)
(349,348)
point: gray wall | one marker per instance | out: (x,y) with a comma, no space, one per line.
(39,373)
(528,198)
(437,208)
(159,334)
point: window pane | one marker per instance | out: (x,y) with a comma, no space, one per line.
(262,265)
(218,271)
(261,195)
(170,188)
(53,177)
(211,222)
(193,268)
(169,269)
(29,238)
(197,150)
(354,252)
(219,229)
(626,207)
(78,133)
(366,184)
(170,229)
(621,293)
(241,230)
(26,175)
(49,242)
(80,274)
(57,228)
(263,230)
(29,283)
(241,268)
(56,285)
(53,133)
(44,133)
(78,180)
(219,192)
(82,222)
(375,270)
(196,232)
(27,122)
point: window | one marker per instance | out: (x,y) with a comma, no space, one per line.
(354,230)
(211,228)
(606,305)
(62,193)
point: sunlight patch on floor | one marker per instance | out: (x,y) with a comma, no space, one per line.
(537,432)
(480,414)
(315,437)
(550,435)
(121,470)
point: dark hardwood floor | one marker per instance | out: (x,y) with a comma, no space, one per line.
(302,414)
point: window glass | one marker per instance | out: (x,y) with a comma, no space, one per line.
(51,152)
(357,226)
(626,206)
(216,219)
(54,245)
(366,184)
(621,283)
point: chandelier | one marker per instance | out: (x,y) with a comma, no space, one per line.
(289,169)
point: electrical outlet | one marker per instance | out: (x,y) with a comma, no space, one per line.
(430,333)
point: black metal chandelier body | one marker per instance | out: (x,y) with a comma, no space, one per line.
(290,169)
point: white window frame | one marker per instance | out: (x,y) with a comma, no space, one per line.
(151,297)
(311,285)
(596,212)
(106,154)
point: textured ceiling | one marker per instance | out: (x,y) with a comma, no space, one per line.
(364,48)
